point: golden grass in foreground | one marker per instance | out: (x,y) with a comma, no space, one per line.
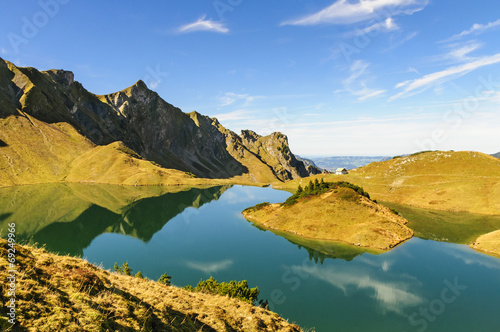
(338,215)
(60,293)
(462,181)
(488,243)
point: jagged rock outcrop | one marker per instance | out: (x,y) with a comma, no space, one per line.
(274,151)
(146,124)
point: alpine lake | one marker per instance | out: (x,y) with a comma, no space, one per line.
(433,282)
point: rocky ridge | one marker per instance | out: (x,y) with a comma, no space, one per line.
(138,117)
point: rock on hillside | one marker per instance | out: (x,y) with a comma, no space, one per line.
(145,123)
(275,152)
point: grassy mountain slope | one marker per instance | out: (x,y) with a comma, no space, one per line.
(488,243)
(56,293)
(39,152)
(451,181)
(53,127)
(35,151)
(338,215)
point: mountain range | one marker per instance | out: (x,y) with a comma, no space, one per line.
(348,162)
(53,130)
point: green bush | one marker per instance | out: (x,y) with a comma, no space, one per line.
(124,269)
(236,289)
(165,279)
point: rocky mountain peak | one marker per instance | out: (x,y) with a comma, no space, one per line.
(60,76)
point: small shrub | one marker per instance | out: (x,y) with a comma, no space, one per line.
(139,275)
(165,279)
(236,289)
(124,269)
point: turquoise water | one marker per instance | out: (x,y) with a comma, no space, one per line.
(421,285)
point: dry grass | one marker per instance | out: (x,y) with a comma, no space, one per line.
(450,181)
(338,215)
(488,243)
(59,293)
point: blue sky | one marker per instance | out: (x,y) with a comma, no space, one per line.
(339,77)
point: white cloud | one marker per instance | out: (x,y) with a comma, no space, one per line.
(345,12)
(356,84)
(230,98)
(3,51)
(204,25)
(458,52)
(416,86)
(413,70)
(384,26)
(476,28)
(462,53)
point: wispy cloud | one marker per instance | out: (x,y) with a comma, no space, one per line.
(234,116)
(475,29)
(458,52)
(344,12)
(384,26)
(419,85)
(204,25)
(401,41)
(356,83)
(230,98)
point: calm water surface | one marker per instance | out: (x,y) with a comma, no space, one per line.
(421,285)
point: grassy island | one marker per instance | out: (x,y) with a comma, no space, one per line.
(337,211)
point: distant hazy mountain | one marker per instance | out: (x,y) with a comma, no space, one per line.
(497,155)
(306,161)
(349,162)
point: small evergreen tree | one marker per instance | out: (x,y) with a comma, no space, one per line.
(300,189)
(117,269)
(165,279)
(126,269)
(139,275)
